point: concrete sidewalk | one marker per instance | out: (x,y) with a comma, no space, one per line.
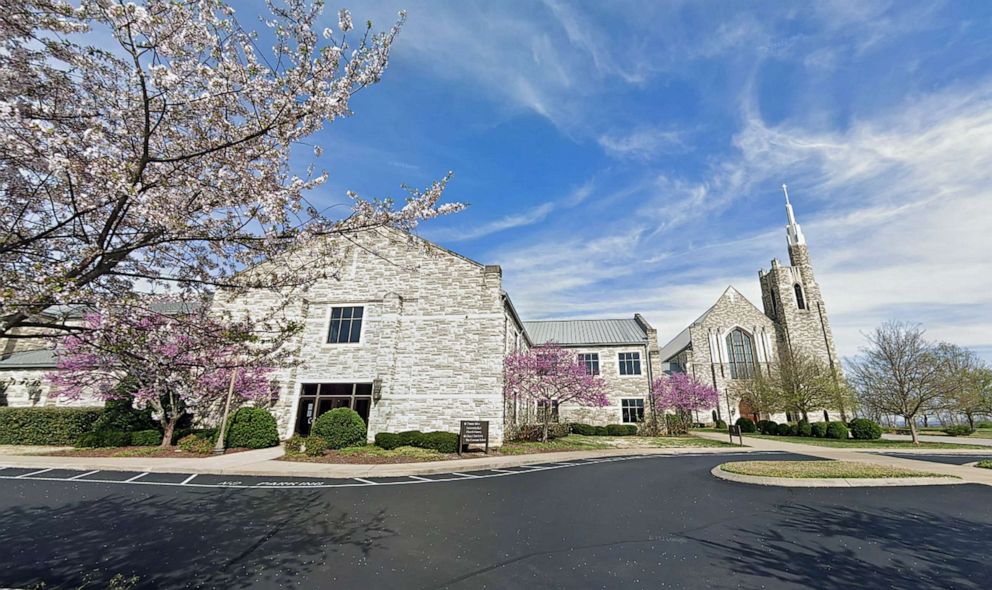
(869,455)
(263,463)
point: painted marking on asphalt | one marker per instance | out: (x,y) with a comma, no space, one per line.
(188,479)
(465,475)
(504,471)
(83,474)
(135,478)
(418,478)
(371,483)
(23,475)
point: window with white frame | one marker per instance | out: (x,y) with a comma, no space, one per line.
(346,325)
(630,363)
(633,410)
(591,362)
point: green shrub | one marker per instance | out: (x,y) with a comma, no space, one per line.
(408,437)
(804,428)
(341,427)
(864,429)
(984,424)
(621,429)
(793,430)
(442,442)
(746,424)
(600,431)
(121,415)
(146,438)
(959,430)
(721,424)
(782,429)
(819,429)
(195,443)
(316,445)
(252,428)
(837,430)
(584,429)
(387,440)
(535,432)
(104,438)
(294,445)
(207,433)
(45,426)
(766,426)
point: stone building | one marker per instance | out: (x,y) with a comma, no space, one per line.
(734,339)
(624,352)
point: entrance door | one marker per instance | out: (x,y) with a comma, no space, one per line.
(318,398)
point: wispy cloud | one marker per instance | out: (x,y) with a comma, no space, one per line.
(643,143)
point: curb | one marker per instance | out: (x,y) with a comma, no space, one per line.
(790,482)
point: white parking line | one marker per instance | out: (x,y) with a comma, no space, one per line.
(83,475)
(135,478)
(465,475)
(365,481)
(34,472)
(418,478)
(187,480)
(505,471)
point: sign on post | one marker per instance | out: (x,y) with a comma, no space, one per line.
(735,430)
(473,432)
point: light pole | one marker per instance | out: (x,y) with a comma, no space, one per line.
(219,445)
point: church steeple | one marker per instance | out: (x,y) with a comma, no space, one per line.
(795,233)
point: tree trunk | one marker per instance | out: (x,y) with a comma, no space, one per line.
(168,427)
(544,437)
(912,430)
(971,419)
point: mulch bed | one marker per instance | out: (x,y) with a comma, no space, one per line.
(173,453)
(334,457)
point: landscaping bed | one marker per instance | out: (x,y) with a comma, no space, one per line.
(372,455)
(131,451)
(855,443)
(984,464)
(821,470)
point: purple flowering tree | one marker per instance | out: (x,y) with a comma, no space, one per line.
(549,375)
(683,395)
(179,364)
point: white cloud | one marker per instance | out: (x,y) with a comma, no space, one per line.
(644,143)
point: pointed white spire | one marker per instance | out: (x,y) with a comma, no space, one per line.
(795,233)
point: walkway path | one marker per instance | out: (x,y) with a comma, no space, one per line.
(874,456)
(954,440)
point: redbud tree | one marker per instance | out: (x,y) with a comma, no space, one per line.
(149,143)
(682,395)
(549,375)
(177,364)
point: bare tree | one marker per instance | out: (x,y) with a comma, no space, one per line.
(899,372)
(968,381)
(805,384)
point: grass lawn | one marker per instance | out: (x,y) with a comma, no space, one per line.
(985,464)
(373,454)
(979,433)
(579,442)
(881,443)
(820,469)
(156,451)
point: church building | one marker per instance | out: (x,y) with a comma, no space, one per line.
(735,340)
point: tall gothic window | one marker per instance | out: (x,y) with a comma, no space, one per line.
(800,300)
(740,349)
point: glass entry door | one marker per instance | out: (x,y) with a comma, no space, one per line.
(318,398)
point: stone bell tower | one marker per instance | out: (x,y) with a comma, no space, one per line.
(792,299)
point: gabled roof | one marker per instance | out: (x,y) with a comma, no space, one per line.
(29,359)
(587,332)
(683,338)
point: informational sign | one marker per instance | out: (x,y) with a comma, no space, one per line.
(473,432)
(735,430)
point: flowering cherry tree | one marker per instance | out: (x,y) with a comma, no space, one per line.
(683,395)
(179,364)
(149,143)
(549,375)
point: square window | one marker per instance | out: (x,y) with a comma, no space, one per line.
(633,410)
(630,363)
(591,363)
(346,325)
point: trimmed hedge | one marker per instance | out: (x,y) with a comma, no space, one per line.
(534,432)
(959,430)
(608,430)
(721,424)
(804,428)
(45,426)
(341,427)
(121,415)
(146,438)
(746,424)
(837,430)
(442,442)
(621,429)
(583,429)
(105,438)
(783,429)
(767,426)
(819,429)
(864,429)
(251,428)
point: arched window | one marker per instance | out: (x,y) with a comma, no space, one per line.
(740,350)
(800,300)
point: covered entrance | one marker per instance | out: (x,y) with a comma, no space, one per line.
(317,398)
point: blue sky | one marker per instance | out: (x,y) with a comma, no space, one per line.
(627,157)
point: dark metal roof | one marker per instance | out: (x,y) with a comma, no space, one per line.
(29,359)
(585,332)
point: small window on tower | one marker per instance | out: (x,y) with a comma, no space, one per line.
(800,300)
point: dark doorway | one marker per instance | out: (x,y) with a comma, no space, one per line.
(318,398)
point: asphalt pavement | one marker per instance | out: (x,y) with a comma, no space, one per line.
(647,522)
